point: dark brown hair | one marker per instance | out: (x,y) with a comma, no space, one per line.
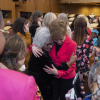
(36,14)
(80,30)
(57,28)
(15,49)
(18,25)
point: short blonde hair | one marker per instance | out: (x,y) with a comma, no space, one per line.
(48,18)
(64,17)
(57,29)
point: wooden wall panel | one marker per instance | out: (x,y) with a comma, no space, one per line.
(42,6)
(8,5)
(81,9)
(28,7)
(82,1)
(54,7)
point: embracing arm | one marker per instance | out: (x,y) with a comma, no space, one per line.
(70,69)
(60,73)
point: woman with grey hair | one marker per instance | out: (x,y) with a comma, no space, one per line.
(64,17)
(44,41)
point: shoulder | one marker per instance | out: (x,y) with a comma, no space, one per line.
(73,44)
(16,81)
(19,34)
(27,33)
(70,43)
(88,41)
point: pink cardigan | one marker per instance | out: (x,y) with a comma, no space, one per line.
(17,86)
(63,55)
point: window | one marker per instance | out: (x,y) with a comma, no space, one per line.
(25,14)
(7,14)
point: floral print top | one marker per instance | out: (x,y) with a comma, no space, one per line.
(83,53)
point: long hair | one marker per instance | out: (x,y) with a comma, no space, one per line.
(80,30)
(36,14)
(15,49)
(18,25)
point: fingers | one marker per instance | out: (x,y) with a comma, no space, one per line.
(40,51)
(36,55)
(47,70)
(47,67)
(52,66)
(36,51)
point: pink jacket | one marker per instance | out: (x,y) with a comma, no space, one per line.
(63,55)
(17,86)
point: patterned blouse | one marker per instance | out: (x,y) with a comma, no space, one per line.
(83,53)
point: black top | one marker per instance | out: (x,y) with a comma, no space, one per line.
(57,47)
(36,65)
(32,30)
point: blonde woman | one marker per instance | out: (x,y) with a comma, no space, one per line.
(48,18)
(64,17)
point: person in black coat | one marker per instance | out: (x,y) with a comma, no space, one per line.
(35,22)
(44,80)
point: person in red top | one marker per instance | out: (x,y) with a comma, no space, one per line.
(61,52)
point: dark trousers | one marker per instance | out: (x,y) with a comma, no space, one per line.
(61,87)
(46,88)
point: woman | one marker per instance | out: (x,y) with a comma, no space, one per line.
(14,52)
(64,17)
(35,22)
(21,29)
(44,41)
(84,45)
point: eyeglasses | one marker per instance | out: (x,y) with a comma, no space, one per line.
(50,44)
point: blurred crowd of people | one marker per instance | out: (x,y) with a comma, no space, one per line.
(48,53)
